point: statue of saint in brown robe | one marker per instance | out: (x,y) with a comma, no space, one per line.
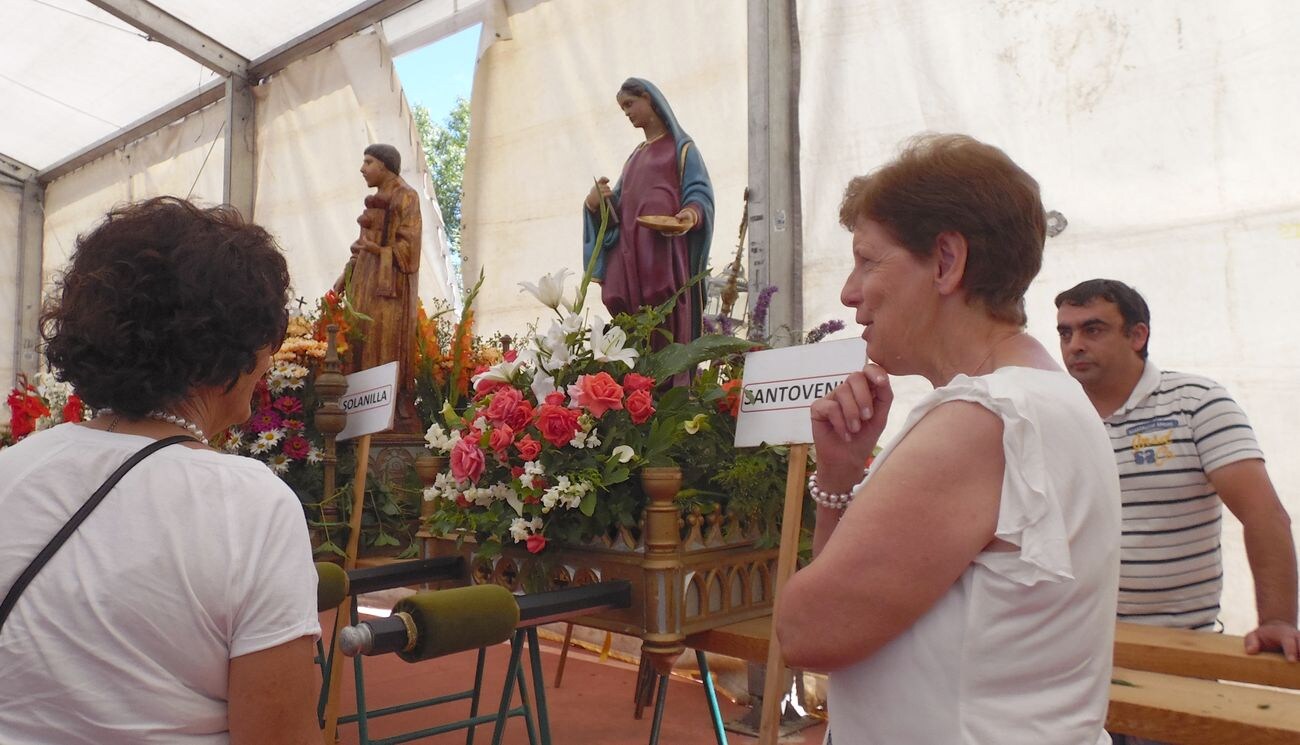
(381,279)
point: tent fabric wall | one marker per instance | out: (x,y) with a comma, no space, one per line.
(545,124)
(184,158)
(1157,128)
(314,119)
(11,200)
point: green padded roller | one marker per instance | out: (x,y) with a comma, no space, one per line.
(331,585)
(455,620)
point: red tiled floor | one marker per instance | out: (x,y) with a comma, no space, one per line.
(593,706)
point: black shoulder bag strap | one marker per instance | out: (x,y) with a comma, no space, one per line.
(67,530)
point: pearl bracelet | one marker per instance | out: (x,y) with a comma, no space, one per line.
(825,498)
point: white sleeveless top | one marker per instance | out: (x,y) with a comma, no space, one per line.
(1019,648)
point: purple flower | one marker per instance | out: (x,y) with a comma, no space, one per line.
(758,321)
(728,324)
(709,326)
(824,330)
(761,305)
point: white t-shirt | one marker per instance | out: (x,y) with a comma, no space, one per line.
(1019,649)
(126,635)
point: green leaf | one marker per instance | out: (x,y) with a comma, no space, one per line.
(384,539)
(588,506)
(330,547)
(616,474)
(676,357)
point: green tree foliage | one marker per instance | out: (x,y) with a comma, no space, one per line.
(444,147)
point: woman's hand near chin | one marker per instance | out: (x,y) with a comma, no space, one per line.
(846,425)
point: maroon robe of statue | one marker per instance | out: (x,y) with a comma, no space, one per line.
(648,267)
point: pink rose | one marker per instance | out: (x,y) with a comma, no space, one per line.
(555,398)
(528,448)
(504,403)
(502,438)
(467,459)
(484,386)
(640,406)
(597,394)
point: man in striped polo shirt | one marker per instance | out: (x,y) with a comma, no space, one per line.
(1184,450)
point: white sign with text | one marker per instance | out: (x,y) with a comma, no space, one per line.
(369,401)
(781,384)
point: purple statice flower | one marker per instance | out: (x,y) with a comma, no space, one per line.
(824,330)
(761,305)
(758,319)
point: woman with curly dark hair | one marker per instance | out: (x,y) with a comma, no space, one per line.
(183,609)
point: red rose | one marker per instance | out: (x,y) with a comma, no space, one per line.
(597,394)
(73,410)
(466,459)
(502,438)
(504,402)
(510,356)
(637,382)
(640,406)
(536,543)
(558,424)
(484,386)
(462,502)
(529,448)
(517,471)
(555,397)
(521,416)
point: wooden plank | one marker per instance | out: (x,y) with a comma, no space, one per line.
(1200,655)
(769,728)
(746,640)
(1189,711)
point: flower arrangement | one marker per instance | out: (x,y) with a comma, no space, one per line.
(547,448)
(38,405)
(278,432)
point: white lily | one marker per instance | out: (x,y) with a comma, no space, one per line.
(549,290)
(555,346)
(607,346)
(543,385)
(623,453)
(502,372)
(571,323)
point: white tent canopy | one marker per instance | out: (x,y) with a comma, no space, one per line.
(1164,131)
(141,100)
